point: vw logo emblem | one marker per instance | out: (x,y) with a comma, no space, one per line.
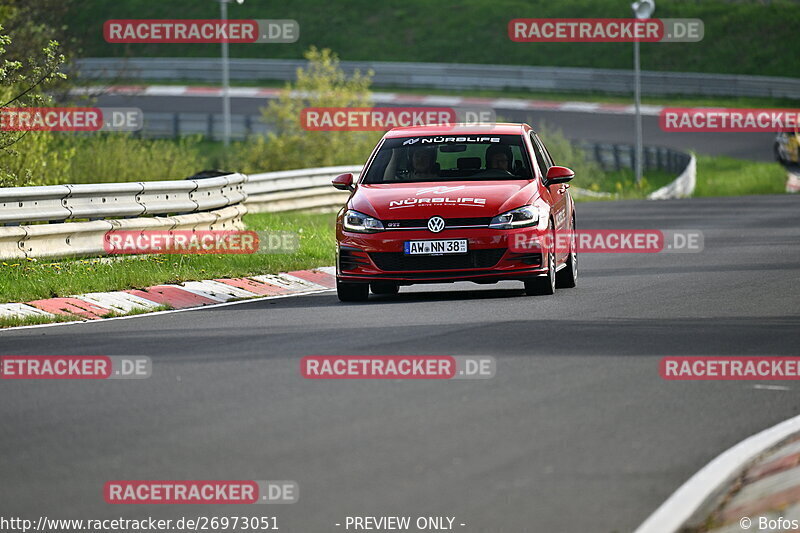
(436,224)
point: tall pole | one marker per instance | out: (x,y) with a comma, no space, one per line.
(637,89)
(226,101)
(642,9)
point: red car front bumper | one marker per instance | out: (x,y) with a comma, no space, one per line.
(493,255)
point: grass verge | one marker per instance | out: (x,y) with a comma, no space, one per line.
(622,184)
(726,176)
(26,280)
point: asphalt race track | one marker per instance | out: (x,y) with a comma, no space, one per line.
(576,433)
(599,127)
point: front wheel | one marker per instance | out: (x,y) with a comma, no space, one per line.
(544,285)
(352,292)
(567,277)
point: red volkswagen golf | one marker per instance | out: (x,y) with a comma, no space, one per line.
(438,204)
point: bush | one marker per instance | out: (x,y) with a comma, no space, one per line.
(321,84)
(118,157)
(588,173)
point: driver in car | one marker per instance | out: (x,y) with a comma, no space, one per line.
(498,157)
(423,163)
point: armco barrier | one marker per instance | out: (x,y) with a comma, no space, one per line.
(213,203)
(682,187)
(22,204)
(98,201)
(449,76)
(58,203)
(296,189)
(83,239)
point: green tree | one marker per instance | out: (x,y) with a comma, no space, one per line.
(24,155)
(321,84)
(588,173)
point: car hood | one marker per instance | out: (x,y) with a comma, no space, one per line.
(399,201)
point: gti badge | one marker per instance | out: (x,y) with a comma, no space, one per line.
(436,224)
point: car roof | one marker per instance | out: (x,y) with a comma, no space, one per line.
(503,128)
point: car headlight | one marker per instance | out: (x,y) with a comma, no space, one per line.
(520,217)
(361,223)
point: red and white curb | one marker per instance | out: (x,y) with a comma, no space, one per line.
(768,490)
(190,294)
(379,98)
(759,477)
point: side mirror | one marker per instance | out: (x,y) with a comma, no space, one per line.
(558,175)
(343,182)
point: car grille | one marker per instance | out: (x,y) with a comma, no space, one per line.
(400,262)
(448,222)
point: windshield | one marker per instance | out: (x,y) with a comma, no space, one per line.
(446,158)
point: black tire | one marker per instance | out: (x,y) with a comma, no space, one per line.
(567,277)
(384,287)
(544,285)
(352,292)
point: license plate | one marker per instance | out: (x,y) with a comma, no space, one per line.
(449,246)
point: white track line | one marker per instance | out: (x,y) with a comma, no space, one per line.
(688,499)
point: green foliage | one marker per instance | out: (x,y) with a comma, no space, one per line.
(726,176)
(102,158)
(321,84)
(567,154)
(22,82)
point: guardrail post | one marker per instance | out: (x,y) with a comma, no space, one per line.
(248,126)
(210,132)
(176,125)
(617,162)
(598,156)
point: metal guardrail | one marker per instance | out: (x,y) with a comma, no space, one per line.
(449,76)
(84,239)
(613,157)
(210,203)
(59,203)
(290,190)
